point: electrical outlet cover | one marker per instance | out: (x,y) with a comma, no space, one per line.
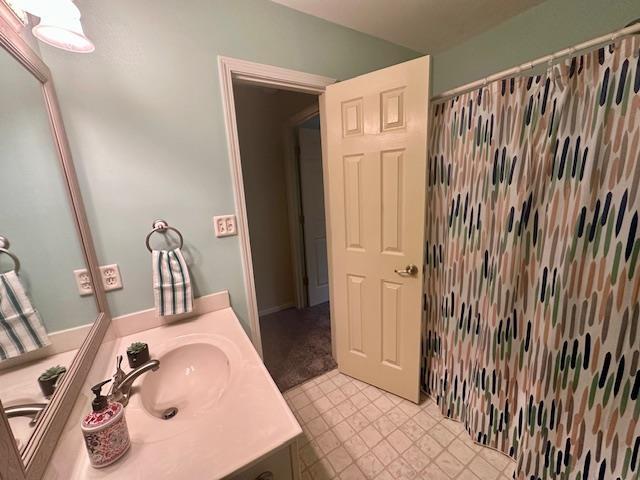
(225,225)
(83,282)
(111,279)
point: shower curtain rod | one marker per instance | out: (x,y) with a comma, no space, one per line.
(548,59)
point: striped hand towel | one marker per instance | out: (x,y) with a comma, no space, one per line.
(21,329)
(171,283)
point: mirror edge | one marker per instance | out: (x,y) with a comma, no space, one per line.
(32,464)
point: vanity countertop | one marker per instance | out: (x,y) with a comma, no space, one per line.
(249,421)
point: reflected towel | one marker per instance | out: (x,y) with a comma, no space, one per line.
(21,329)
(171,283)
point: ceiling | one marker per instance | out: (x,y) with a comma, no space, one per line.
(426,26)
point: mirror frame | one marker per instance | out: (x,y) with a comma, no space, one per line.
(31,464)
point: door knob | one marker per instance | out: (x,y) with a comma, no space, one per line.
(408,271)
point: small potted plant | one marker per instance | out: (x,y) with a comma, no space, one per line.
(49,379)
(137,354)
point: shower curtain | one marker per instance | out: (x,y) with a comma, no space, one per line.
(532,330)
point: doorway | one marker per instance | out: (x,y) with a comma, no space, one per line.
(281,160)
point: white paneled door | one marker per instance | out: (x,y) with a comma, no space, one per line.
(315,235)
(376,146)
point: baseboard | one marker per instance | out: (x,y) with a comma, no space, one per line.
(145,319)
(277,308)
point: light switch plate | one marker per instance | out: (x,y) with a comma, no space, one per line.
(225,225)
(111,279)
(83,282)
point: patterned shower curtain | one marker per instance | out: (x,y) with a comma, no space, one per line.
(532,329)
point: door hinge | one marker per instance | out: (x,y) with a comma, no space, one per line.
(305,281)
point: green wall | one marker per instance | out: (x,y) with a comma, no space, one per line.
(144,119)
(144,115)
(541,30)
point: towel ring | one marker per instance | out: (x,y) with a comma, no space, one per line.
(161,226)
(4,248)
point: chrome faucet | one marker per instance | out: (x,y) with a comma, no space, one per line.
(122,383)
(33,410)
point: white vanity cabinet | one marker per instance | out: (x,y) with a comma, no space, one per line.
(279,465)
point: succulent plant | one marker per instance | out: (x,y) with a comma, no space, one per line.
(52,372)
(136,347)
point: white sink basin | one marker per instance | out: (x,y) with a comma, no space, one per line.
(190,378)
(196,371)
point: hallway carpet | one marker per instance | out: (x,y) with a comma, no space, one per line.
(297,344)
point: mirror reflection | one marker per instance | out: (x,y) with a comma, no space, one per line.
(43,316)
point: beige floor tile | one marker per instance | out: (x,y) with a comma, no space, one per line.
(356,446)
(341,379)
(399,441)
(344,431)
(371,436)
(332,417)
(371,392)
(321,470)
(358,421)
(416,458)
(384,425)
(385,452)
(453,426)
(412,430)
(409,408)
(466,474)
(317,426)
(349,389)
(483,469)
(327,386)
(384,475)
(383,403)
(360,400)
(462,452)
(300,400)
(347,408)
(370,465)
(429,446)
(308,413)
(397,416)
(314,392)
(352,472)
(309,453)
(433,472)
(448,464)
(322,404)
(336,396)
(339,459)
(425,420)
(443,436)
(354,431)
(371,412)
(328,441)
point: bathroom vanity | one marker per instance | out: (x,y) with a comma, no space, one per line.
(210,411)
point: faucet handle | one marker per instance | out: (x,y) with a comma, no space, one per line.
(119,375)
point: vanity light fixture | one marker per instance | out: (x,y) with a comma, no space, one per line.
(59,24)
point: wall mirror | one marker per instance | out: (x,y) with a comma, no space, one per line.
(49,329)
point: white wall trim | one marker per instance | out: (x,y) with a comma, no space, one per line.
(231,69)
(277,308)
(146,319)
(294,201)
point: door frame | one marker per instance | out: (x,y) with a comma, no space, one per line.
(294,200)
(243,71)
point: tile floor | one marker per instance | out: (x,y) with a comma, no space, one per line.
(356,431)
